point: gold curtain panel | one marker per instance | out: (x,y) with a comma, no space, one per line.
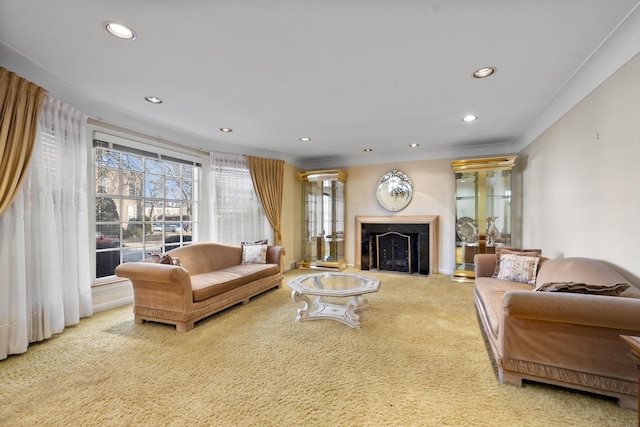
(267,176)
(20,105)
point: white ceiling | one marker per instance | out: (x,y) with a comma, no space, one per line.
(350,74)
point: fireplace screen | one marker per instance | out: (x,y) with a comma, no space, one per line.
(402,248)
(393,252)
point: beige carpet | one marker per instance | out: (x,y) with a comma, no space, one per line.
(418,360)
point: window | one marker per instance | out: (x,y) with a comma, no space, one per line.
(237,211)
(144,202)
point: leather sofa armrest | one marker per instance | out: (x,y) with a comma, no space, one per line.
(578,309)
(485,265)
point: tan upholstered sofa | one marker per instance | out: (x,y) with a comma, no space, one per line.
(210,278)
(566,339)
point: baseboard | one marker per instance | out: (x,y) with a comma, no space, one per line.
(110,296)
(112,304)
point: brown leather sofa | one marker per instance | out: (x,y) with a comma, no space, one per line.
(210,278)
(567,339)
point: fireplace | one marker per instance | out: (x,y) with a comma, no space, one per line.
(404,244)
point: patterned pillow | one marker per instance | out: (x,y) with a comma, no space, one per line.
(583,288)
(500,250)
(257,242)
(518,268)
(164,259)
(254,254)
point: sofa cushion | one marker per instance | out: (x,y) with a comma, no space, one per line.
(518,268)
(212,283)
(489,293)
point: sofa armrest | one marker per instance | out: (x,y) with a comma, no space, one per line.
(158,286)
(485,264)
(578,309)
(275,254)
(152,272)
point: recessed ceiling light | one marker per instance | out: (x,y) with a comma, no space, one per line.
(469,118)
(368,150)
(153,99)
(414,145)
(305,139)
(120,31)
(484,72)
(226,130)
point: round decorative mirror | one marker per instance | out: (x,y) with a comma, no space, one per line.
(394,191)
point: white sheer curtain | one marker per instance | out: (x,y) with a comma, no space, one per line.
(45,275)
(237,213)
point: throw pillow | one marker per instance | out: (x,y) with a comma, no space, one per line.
(583,288)
(257,242)
(254,254)
(500,250)
(164,259)
(518,268)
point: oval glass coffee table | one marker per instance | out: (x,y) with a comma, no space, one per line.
(312,289)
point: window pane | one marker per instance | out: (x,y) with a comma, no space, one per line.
(107,180)
(154,186)
(132,235)
(132,183)
(107,236)
(133,210)
(187,190)
(172,189)
(107,210)
(186,211)
(172,169)
(153,166)
(132,255)
(106,263)
(107,158)
(187,172)
(152,209)
(133,163)
(171,211)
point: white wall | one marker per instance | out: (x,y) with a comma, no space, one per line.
(580,180)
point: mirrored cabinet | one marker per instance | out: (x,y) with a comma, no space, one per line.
(483,209)
(323,219)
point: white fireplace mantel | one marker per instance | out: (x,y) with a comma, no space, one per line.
(430,220)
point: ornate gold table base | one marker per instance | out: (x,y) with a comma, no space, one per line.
(319,309)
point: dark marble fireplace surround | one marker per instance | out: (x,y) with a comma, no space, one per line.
(396,244)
